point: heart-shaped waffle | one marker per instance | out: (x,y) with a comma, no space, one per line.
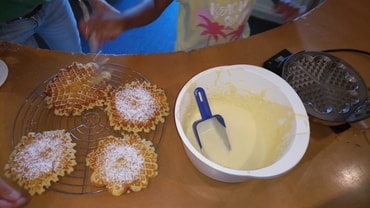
(76,88)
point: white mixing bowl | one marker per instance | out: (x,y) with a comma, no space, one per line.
(243,81)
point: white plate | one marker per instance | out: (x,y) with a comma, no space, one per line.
(3,72)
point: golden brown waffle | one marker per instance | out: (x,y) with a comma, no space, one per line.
(137,106)
(40,158)
(123,164)
(77,88)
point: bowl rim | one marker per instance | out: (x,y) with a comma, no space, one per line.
(296,149)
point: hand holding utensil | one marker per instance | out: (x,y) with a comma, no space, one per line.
(93,43)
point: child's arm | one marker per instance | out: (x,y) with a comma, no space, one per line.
(108,23)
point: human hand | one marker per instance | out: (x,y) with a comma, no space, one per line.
(9,197)
(105,22)
(288,11)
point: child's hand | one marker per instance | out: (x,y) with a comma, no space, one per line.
(288,11)
(9,197)
(104,22)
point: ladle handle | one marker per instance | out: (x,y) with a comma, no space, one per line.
(201,98)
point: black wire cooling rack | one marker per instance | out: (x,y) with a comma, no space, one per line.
(86,130)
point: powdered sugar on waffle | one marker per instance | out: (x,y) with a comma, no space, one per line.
(39,158)
(122,163)
(136,104)
(41,155)
(136,107)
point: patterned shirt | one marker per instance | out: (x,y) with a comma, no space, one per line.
(204,23)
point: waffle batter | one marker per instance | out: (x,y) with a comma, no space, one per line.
(257,137)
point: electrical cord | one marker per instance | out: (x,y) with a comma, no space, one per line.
(346,50)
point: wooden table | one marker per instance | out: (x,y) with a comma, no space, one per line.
(335,171)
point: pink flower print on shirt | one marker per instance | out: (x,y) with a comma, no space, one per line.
(211,29)
(216,21)
(238,33)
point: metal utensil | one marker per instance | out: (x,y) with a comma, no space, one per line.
(208,122)
(93,43)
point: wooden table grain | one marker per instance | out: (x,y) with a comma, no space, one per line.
(334,172)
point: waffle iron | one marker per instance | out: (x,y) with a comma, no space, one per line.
(332,91)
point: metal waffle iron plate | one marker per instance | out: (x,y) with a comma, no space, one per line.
(331,89)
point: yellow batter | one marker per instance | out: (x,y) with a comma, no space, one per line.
(258,130)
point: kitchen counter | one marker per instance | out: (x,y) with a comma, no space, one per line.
(334,172)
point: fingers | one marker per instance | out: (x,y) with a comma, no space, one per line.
(82,27)
(7,192)
(103,25)
(106,29)
(6,204)
(13,204)
(287,11)
(10,197)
